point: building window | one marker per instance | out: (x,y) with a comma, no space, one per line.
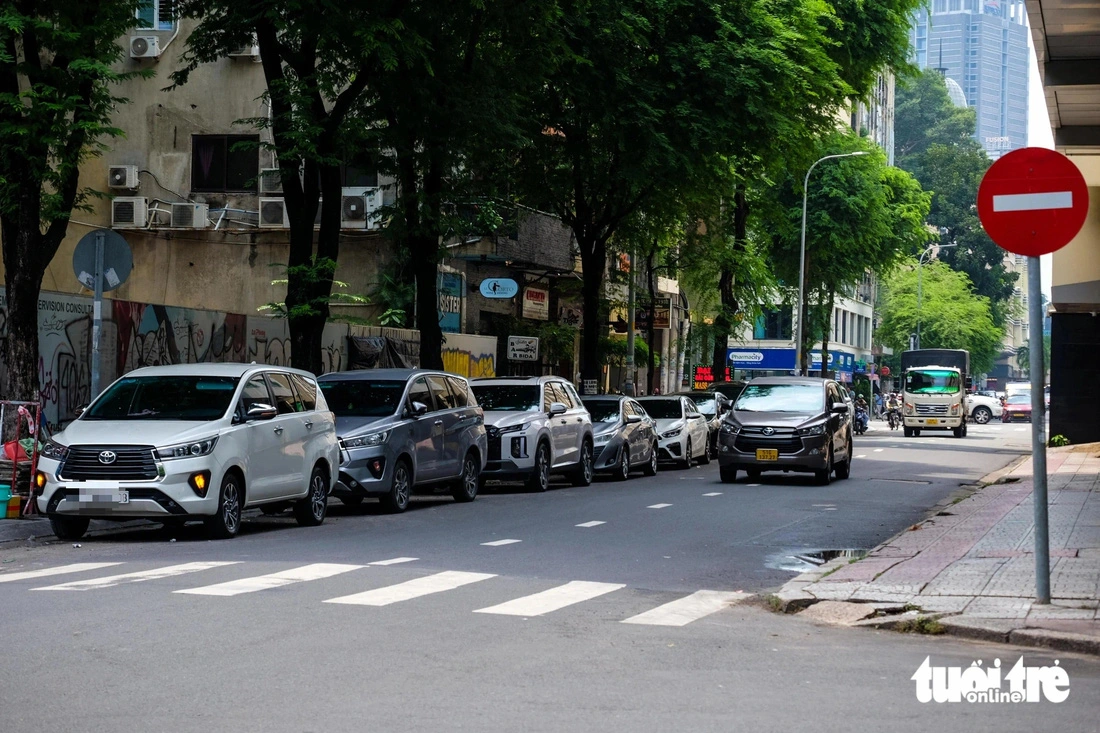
(775,324)
(157,15)
(222,163)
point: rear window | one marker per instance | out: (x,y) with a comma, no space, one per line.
(507,397)
(669,409)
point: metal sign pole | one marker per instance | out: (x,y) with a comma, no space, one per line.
(1038,430)
(97,311)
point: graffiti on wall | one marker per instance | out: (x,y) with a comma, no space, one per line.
(269,343)
(150,335)
(471,356)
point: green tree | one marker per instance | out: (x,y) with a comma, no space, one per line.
(952,315)
(56,75)
(934,140)
(1023,359)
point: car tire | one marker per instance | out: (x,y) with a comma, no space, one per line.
(958,432)
(908,432)
(311,509)
(843,469)
(916,432)
(396,500)
(825,475)
(226,522)
(539,480)
(981,415)
(728,474)
(651,465)
(753,474)
(623,472)
(688,457)
(352,500)
(69,528)
(469,480)
(582,474)
(705,458)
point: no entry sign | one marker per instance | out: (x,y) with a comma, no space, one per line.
(1033,201)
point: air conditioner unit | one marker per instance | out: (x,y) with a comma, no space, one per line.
(271,180)
(273,214)
(246,52)
(129,212)
(190,216)
(359,206)
(122,176)
(144,47)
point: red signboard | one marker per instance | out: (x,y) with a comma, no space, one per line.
(1033,201)
(704,375)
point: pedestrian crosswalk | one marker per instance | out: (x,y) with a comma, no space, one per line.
(679,611)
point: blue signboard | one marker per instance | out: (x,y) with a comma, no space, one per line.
(839,361)
(499,287)
(772,359)
(452,290)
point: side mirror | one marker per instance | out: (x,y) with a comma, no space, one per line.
(840,408)
(419,408)
(631,419)
(260,411)
(557,408)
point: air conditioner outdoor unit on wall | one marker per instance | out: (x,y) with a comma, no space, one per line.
(144,47)
(273,214)
(122,176)
(251,51)
(129,212)
(271,180)
(359,207)
(190,216)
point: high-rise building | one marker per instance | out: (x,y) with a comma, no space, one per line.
(981,45)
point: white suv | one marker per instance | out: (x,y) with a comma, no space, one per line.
(193,441)
(536,426)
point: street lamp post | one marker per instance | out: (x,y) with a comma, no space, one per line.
(802,258)
(920,262)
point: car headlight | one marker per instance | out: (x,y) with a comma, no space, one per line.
(190,449)
(729,428)
(366,441)
(909,409)
(602,438)
(818,429)
(54,450)
(955,409)
(672,433)
(515,428)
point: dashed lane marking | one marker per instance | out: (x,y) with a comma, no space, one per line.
(316,571)
(657,506)
(499,543)
(594,523)
(394,561)
(714,493)
(76,567)
(143,575)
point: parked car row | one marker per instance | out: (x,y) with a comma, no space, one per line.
(205,442)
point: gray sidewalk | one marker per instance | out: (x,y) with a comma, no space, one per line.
(972,565)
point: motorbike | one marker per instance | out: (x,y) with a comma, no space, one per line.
(894,418)
(860,424)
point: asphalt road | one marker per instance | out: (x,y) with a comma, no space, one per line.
(414,622)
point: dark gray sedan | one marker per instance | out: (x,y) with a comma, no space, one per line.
(624,436)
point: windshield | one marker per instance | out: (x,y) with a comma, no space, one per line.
(602,410)
(164,398)
(362,397)
(781,398)
(931,381)
(663,409)
(707,405)
(507,397)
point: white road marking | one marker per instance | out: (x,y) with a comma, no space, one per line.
(156,574)
(1020,430)
(862,456)
(499,543)
(878,450)
(714,493)
(683,611)
(552,600)
(752,484)
(657,506)
(824,505)
(76,567)
(447,580)
(393,561)
(595,523)
(316,571)
(1033,201)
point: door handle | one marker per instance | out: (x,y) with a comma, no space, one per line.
(438,422)
(278,431)
(309,425)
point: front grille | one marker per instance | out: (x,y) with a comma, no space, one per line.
(784,443)
(931,409)
(494,446)
(132,463)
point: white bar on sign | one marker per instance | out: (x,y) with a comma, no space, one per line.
(317,571)
(448,580)
(76,567)
(551,600)
(155,574)
(683,611)
(1033,201)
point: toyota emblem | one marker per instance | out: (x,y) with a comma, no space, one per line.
(107,457)
(765,431)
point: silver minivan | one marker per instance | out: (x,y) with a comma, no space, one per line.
(405,429)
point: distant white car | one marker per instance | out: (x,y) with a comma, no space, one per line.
(682,431)
(981,409)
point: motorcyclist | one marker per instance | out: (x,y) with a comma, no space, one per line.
(861,412)
(893,409)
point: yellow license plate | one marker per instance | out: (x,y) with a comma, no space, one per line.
(933,421)
(767,454)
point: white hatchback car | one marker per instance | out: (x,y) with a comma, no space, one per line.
(193,441)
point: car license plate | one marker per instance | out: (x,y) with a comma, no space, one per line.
(104,496)
(767,454)
(933,421)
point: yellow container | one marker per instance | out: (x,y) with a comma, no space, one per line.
(15,504)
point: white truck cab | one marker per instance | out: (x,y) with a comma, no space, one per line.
(934,391)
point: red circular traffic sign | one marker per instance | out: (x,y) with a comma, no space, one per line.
(1033,201)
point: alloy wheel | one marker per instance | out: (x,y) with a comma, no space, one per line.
(231,507)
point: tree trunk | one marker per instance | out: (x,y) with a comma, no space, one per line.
(725,320)
(23,279)
(594,262)
(806,322)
